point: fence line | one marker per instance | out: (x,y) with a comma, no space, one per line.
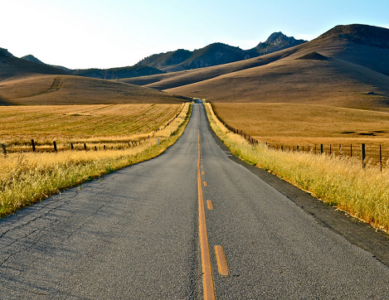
(343,150)
(133,143)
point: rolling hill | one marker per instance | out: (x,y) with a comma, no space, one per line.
(69,89)
(347,66)
(23,82)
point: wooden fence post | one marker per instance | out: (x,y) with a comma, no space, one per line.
(85,146)
(297,148)
(340,149)
(282,148)
(363,155)
(321,149)
(4,149)
(71,146)
(33,145)
(330,149)
(104,147)
(351,150)
(95,148)
(55,146)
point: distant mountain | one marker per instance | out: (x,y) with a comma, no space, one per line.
(13,67)
(276,41)
(118,73)
(5,53)
(216,54)
(162,60)
(33,59)
(114,73)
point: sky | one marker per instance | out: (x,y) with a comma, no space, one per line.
(81,34)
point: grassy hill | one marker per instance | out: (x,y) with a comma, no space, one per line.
(347,67)
(68,89)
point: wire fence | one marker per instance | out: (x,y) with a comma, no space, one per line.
(35,146)
(369,154)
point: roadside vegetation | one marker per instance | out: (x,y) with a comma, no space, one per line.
(26,178)
(363,193)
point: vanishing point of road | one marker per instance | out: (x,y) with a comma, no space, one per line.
(189,224)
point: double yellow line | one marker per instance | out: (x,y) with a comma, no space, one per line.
(208,286)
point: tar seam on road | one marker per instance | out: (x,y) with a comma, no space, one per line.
(208,286)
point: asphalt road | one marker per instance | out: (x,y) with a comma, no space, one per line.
(135,235)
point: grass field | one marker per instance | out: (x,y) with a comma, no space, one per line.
(26,178)
(78,124)
(306,125)
(363,193)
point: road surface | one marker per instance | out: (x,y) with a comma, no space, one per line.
(135,235)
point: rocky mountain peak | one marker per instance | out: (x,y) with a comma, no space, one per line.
(33,59)
(5,53)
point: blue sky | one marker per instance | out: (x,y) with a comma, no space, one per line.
(115,33)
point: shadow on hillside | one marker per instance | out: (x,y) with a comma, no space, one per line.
(4,101)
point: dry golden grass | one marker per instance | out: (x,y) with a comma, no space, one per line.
(67,89)
(78,124)
(26,178)
(306,125)
(363,193)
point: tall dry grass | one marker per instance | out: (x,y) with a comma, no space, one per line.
(26,178)
(363,193)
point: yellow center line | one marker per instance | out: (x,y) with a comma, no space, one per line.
(209,205)
(205,183)
(208,287)
(221,261)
